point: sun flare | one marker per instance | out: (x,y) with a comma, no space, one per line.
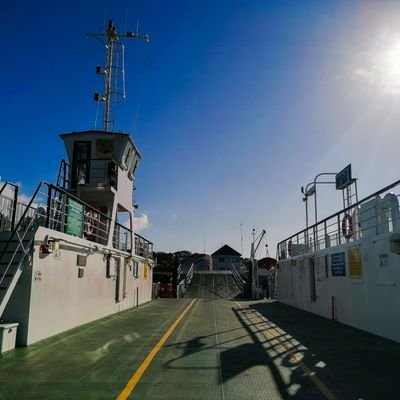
(381,66)
(389,65)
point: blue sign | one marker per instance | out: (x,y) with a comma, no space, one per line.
(338,264)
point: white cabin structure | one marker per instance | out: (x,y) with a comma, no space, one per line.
(70,255)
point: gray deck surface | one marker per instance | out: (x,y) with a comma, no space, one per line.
(222,349)
(213,286)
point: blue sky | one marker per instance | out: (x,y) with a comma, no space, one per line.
(234,105)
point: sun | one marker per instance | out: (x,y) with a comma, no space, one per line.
(388,66)
(379,66)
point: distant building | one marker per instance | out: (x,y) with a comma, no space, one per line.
(225,257)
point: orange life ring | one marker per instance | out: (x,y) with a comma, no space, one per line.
(347,226)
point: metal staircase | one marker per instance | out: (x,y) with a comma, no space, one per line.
(15,250)
(16,240)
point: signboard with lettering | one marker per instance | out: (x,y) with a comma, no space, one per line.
(355,262)
(343,178)
(74,225)
(338,264)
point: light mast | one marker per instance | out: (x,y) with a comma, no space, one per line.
(113,72)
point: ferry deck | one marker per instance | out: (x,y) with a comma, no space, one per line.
(211,344)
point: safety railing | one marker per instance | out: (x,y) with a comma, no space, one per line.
(64,173)
(143,247)
(55,208)
(68,214)
(8,206)
(95,172)
(122,238)
(376,214)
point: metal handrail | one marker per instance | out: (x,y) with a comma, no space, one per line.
(62,174)
(108,177)
(321,228)
(143,247)
(117,243)
(69,195)
(14,209)
(236,276)
(55,215)
(189,275)
(21,219)
(20,244)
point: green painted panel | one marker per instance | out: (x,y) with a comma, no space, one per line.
(74,225)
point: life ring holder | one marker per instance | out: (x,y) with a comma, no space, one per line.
(90,224)
(347,226)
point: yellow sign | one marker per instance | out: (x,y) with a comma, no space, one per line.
(355,262)
(145,271)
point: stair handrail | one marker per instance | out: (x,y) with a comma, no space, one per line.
(236,276)
(20,245)
(21,219)
(15,201)
(189,275)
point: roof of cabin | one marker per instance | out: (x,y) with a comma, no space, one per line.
(102,135)
(226,250)
(96,132)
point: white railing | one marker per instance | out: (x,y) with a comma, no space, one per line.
(376,214)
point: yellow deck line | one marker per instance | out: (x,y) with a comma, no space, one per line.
(133,381)
(309,373)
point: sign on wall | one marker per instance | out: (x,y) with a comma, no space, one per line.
(37,276)
(338,264)
(74,218)
(145,271)
(355,262)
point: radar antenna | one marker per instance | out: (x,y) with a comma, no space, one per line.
(112,72)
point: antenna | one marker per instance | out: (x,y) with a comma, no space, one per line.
(241,237)
(112,72)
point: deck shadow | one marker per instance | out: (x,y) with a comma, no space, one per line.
(352,363)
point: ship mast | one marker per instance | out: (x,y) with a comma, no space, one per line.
(112,72)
